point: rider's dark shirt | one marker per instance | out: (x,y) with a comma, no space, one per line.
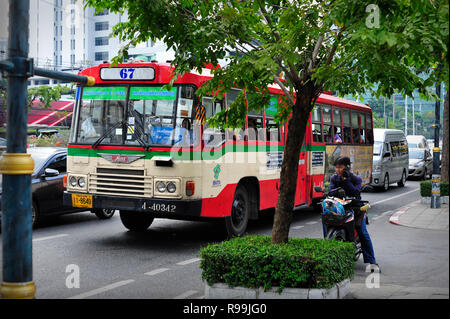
(351,185)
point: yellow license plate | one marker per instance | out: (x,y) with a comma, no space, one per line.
(83,201)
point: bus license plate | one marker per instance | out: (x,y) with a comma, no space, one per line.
(83,201)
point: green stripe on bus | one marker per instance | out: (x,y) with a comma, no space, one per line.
(207,155)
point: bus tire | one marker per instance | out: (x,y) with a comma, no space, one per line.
(236,223)
(103,213)
(135,221)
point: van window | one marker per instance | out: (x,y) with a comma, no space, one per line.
(394,148)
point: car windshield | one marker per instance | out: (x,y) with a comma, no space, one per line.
(377,146)
(154,115)
(416,154)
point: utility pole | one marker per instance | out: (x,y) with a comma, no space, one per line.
(436,177)
(384,113)
(393,109)
(413,119)
(406,115)
(16,165)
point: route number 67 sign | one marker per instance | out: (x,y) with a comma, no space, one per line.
(128,74)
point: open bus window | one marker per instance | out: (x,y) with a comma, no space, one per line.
(316,127)
(273,131)
(369,131)
(356,120)
(255,129)
(327,127)
(337,123)
(212,136)
(347,133)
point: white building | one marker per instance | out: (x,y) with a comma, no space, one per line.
(64,36)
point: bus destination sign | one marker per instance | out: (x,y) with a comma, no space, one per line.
(128,74)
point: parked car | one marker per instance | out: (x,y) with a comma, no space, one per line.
(47,184)
(420,163)
(417,141)
(390,158)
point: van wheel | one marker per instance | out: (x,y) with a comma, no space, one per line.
(236,223)
(386,182)
(403,181)
(136,221)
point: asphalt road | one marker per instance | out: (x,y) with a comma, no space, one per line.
(163,262)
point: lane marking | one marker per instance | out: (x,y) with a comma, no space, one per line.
(102,289)
(186,294)
(385,200)
(50,237)
(189,261)
(156,271)
(311,223)
(297,227)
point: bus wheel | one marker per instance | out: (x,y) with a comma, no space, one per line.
(135,221)
(103,213)
(236,223)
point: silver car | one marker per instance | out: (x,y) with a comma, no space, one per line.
(420,163)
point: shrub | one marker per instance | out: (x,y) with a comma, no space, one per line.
(425,188)
(253,262)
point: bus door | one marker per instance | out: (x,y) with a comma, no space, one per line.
(300,194)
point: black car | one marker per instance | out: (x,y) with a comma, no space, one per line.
(47,184)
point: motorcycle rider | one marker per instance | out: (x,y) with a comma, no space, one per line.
(351,184)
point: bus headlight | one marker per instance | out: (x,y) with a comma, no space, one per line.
(161,187)
(171,188)
(73,181)
(81,182)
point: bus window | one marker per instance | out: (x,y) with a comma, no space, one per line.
(273,131)
(369,130)
(255,128)
(337,123)
(362,128)
(184,130)
(347,126)
(327,127)
(316,123)
(212,136)
(356,120)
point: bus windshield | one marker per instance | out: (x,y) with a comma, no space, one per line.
(153,115)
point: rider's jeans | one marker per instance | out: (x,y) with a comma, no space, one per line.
(366,242)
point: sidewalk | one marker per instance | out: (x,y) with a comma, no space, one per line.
(413,259)
(419,215)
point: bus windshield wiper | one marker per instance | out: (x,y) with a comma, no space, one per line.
(101,138)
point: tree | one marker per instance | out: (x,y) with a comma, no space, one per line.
(345,46)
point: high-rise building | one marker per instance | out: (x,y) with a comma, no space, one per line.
(65,36)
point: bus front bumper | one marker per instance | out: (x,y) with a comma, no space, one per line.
(158,207)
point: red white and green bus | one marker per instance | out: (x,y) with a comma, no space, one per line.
(148,152)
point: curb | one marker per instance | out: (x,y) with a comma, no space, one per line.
(395,218)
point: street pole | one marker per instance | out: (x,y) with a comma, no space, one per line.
(406,116)
(384,112)
(16,165)
(436,179)
(413,119)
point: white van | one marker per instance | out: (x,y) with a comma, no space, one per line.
(390,158)
(417,141)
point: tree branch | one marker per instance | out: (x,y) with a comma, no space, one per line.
(284,89)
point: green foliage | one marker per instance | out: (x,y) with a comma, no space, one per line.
(59,139)
(252,261)
(46,94)
(425,188)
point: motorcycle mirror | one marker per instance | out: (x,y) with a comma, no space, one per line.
(318,189)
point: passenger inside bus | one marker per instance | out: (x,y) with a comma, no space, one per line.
(183,134)
(334,138)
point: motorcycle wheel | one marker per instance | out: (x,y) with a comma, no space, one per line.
(336,234)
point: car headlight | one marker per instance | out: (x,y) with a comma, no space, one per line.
(171,188)
(161,187)
(420,164)
(81,182)
(73,181)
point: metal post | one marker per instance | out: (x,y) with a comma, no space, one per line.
(406,115)
(16,165)
(436,179)
(413,119)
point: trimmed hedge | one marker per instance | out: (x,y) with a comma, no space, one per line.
(425,188)
(253,262)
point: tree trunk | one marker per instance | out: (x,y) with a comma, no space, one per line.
(445,141)
(289,169)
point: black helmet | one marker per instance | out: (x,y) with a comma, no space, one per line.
(343,160)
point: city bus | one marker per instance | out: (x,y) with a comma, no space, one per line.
(146,150)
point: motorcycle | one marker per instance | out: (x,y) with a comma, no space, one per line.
(338,216)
